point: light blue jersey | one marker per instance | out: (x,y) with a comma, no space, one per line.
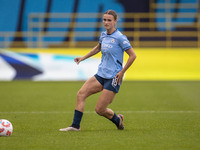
(112,49)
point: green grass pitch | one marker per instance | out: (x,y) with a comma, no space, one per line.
(158,115)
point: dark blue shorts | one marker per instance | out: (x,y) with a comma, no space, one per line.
(109,84)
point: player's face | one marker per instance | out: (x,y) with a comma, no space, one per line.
(109,21)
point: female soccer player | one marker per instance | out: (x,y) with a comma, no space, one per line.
(112,45)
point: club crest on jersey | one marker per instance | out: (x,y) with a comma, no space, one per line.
(112,40)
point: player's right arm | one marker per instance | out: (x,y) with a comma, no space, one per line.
(94,51)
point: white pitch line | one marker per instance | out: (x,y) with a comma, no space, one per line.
(92,112)
(159,112)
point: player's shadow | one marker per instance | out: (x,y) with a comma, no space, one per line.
(106,130)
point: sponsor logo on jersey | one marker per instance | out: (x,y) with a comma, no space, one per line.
(107,46)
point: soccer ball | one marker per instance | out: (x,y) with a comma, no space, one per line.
(6,127)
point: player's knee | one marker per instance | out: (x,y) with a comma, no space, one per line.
(81,94)
(100,111)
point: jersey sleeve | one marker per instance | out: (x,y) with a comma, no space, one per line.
(124,43)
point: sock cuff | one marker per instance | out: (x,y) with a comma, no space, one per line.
(77,118)
(78,112)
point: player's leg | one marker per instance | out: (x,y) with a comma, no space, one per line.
(90,87)
(105,99)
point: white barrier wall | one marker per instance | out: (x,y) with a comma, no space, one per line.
(44,66)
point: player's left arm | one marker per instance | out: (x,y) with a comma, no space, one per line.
(132,57)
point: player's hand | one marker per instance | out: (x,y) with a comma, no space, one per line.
(78,60)
(119,77)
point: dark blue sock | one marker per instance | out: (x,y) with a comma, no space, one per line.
(77,119)
(115,120)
